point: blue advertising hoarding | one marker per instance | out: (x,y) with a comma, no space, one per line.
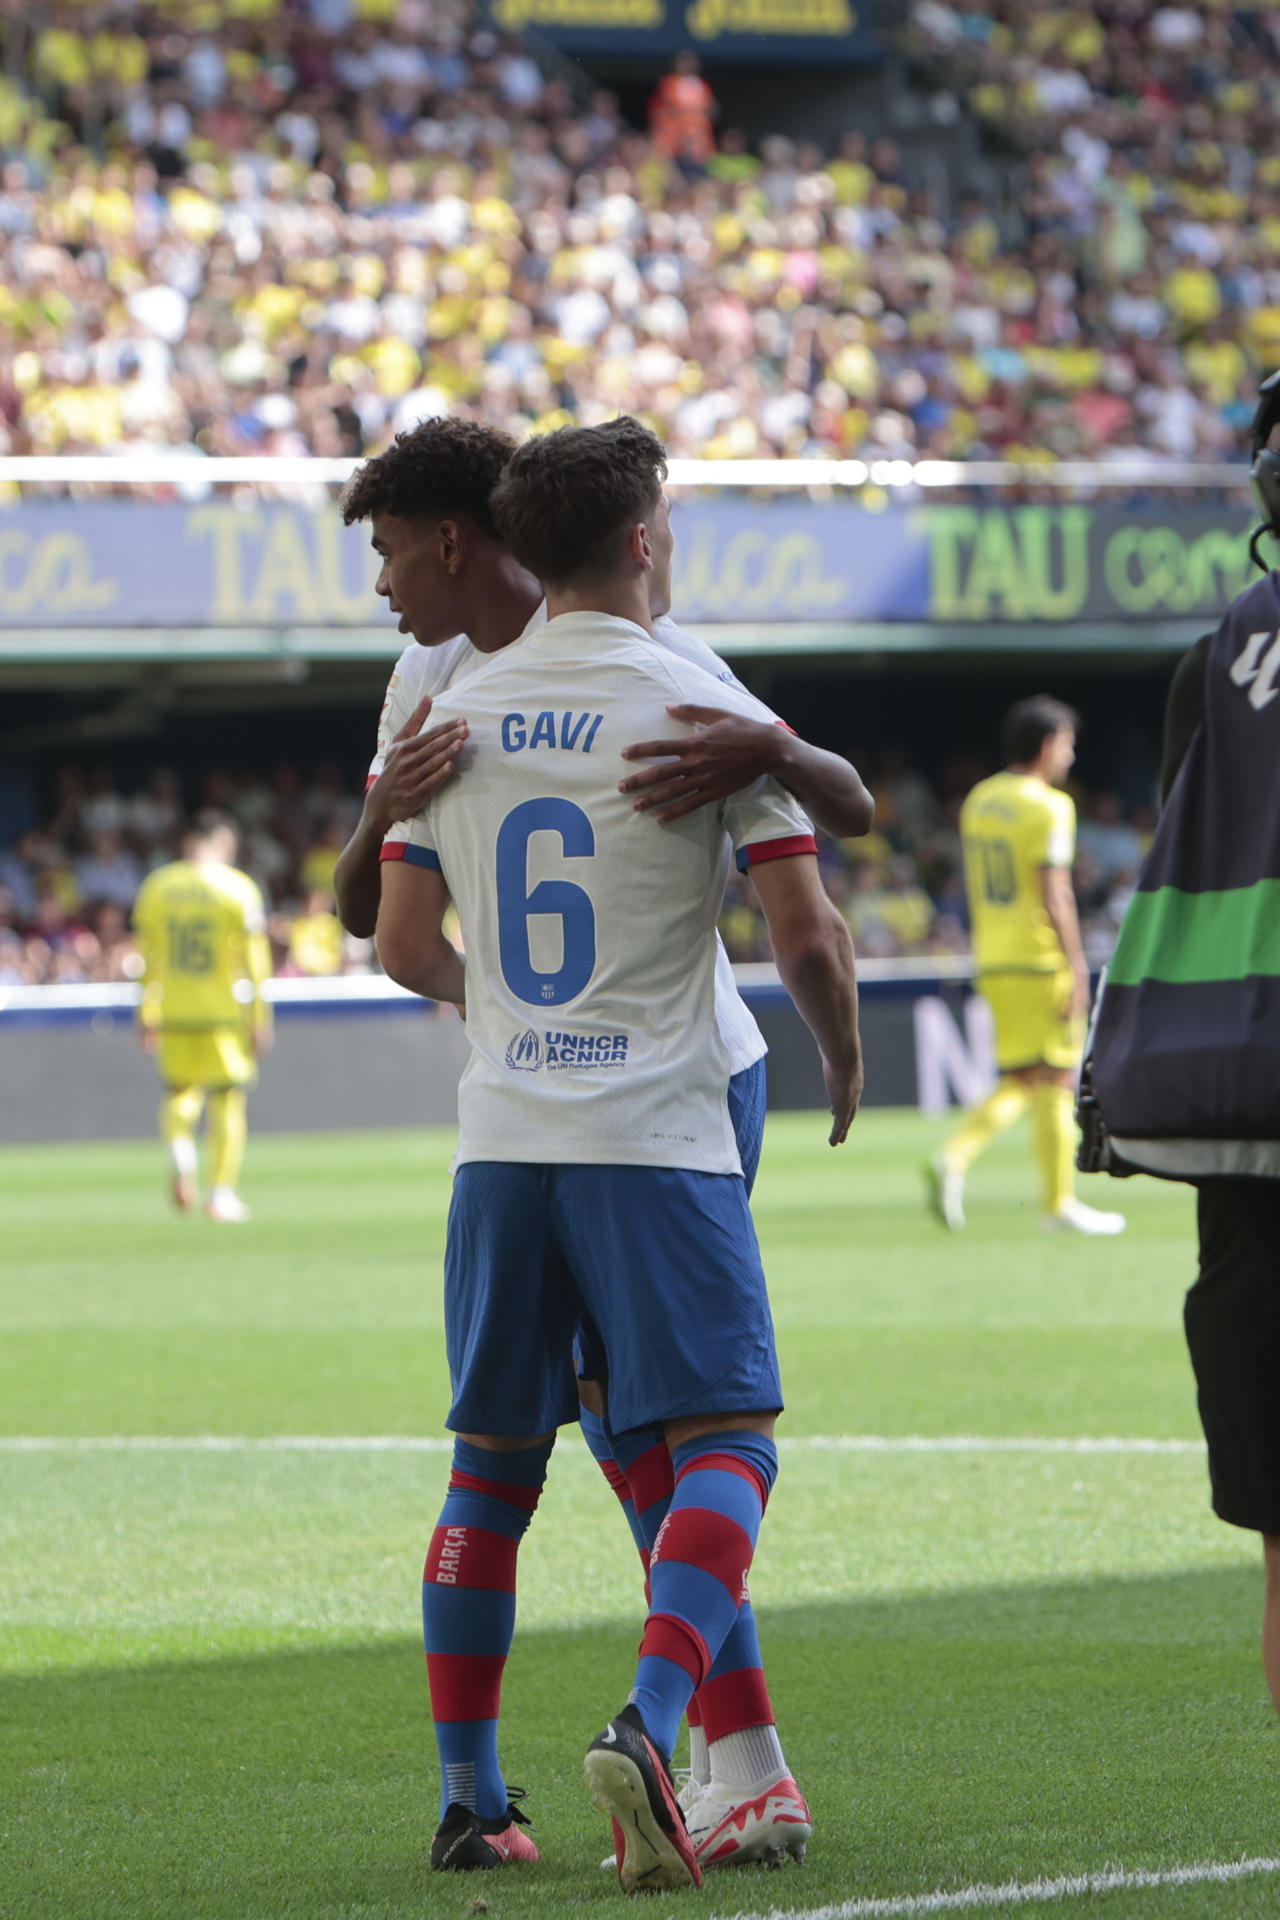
(114,564)
(796,32)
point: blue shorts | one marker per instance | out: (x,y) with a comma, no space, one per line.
(661,1264)
(748,1095)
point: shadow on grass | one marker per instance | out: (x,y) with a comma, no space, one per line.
(991,1735)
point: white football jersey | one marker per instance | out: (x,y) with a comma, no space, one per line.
(423,670)
(590,930)
(419,671)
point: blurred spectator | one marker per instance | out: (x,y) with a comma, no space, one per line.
(906,805)
(905,908)
(316,937)
(108,871)
(65,896)
(117,957)
(18,881)
(682,108)
(154,815)
(320,860)
(324,220)
(66,891)
(1107,839)
(864,911)
(314,227)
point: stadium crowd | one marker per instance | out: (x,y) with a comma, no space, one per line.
(67,887)
(292,226)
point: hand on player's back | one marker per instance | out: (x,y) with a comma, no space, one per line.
(417,765)
(727,754)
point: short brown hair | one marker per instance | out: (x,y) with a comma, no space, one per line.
(567,498)
(437,468)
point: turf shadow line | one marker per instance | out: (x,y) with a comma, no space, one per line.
(981,1738)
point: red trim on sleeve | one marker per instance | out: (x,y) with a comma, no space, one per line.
(412,854)
(761,850)
(370,782)
(787,729)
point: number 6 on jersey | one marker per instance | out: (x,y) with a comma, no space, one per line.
(562,898)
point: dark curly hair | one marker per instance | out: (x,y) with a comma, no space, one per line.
(437,468)
(566,498)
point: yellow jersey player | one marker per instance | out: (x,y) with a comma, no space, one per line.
(1018,831)
(201,928)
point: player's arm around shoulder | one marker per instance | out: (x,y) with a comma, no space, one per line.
(412,762)
(814,953)
(736,741)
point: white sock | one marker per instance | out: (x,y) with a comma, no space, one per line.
(699,1764)
(184,1155)
(752,1757)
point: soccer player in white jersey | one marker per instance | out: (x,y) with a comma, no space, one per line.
(598,1177)
(447,575)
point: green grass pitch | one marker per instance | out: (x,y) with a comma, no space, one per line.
(995,1667)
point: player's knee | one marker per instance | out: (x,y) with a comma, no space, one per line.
(591,1396)
(503,1443)
(696,1426)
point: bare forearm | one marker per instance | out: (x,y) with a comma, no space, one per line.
(1060,905)
(437,970)
(820,976)
(827,787)
(357,878)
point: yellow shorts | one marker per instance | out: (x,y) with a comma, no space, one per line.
(1033,1027)
(219,1057)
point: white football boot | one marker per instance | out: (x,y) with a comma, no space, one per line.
(944,1192)
(732,1825)
(1073,1216)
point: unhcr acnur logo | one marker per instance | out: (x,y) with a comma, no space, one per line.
(525,1051)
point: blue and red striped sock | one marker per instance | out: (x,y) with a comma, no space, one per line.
(734,1695)
(644,1460)
(600,1445)
(638,1467)
(469,1612)
(698,1569)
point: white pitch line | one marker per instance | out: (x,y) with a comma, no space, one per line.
(223,1443)
(981,1443)
(1018,1893)
(413,1443)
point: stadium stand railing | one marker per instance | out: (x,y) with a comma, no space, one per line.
(183,469)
